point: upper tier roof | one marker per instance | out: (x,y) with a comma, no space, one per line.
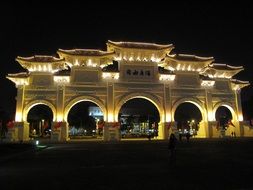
(85,52)
(39,59)
(41,63)
(140,45)
(221,70)
(219,66)
(18,75)
(191,58)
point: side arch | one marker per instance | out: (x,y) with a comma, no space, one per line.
(227,105)
(76,100)
(194,101)
(38,102)
(150,97)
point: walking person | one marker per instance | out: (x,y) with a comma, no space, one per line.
(172,146)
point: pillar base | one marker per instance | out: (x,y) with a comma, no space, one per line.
(111,131)
(60,131)
(19,132)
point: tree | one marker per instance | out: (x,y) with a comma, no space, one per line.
(4,119)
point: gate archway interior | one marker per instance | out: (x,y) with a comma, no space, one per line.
(84,120)
(224,118)
(40,119)
(188,118)
(138,118)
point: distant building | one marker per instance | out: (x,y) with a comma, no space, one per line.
(95,111)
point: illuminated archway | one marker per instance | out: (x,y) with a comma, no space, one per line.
(139,117)
(40,119)
(38,102)
(153,99)
(194,101)
(227,105)
(229,125)
(83,119)
(188,118)
(94,100)
(203,124)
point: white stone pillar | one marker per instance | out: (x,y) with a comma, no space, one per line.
(111,131)
(209,116)
(108,132)
(110,103)
(238,105)
(163,129)
(60,103)
(19,132)
(20,103)
(239,128)
(59,131)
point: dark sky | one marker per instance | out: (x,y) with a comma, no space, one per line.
(223,31)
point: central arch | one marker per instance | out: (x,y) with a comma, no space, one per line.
(139,117)
(153,99)
(147,96)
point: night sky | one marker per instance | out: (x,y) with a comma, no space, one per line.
(222,31)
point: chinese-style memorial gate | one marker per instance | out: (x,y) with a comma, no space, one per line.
(143,70)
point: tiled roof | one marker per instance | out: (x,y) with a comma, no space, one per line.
(85,52)
(140,45)
(185,57)
(39,58)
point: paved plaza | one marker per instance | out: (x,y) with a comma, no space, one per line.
(198,164)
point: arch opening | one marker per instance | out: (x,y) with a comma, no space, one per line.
(188,119)
(85,119)
(224,118)
(40,117)
(139,118)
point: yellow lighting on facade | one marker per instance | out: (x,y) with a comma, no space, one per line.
(153,58)
(76,63)
(59,117)
(207,83)
(168,117)
(171,68)
(240,118)
(210,116)
(131,58)
(50,68)
(164,77)
(61,79)
(20,81)
(178,67)
(110,117)
(236,87)
(118,58)
(90,63)
(107,75)
(42,68)
(18,117)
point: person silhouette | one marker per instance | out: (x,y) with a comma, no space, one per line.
(172,146)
